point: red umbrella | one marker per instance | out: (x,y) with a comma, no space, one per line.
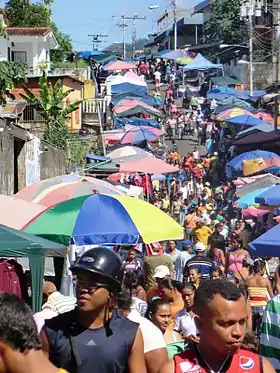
(266,117)
(148,166)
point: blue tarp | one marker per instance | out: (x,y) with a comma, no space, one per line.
(201,63)
(245,120)
(236,163)
(128,88)
(267,244)
(135,121)
(265,127)
(88,54)
(270,197)
(249,199)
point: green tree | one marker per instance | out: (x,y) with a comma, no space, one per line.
(65,45)
(225,23)
(23,13)
(51,106)
(11,74)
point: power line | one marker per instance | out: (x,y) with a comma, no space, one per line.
(133,19)
(96,40)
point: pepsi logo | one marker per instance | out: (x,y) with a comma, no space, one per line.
(190,366)
(246,363)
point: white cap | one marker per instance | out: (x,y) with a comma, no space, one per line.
(207,183)
(161,272)
(199,247)
(215,153)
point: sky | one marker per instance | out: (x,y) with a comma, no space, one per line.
(79,18)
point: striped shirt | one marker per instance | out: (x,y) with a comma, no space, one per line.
(59,303)
(135,265)
(202,262)
(270,333)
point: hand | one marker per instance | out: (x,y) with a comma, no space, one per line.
(192,338)
(32,361)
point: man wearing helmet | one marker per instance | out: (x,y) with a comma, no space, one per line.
(92,338)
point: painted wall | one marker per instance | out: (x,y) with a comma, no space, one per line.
(75,118)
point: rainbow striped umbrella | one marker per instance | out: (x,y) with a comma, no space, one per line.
(61,188)
(105,220)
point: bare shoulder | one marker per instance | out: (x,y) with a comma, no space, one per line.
(267,367)
(168,367)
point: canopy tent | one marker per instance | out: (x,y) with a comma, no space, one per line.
(270,197)
(249,184)
(231,102)
(133,78)
(119,79)
(245,120)
(148,166)
(224,81)
(265,127)
(118,65)
(105,58)
(201,63)
(88,54)
(128,88)
(147,99)
(131,107)
(173,55)
(258,138)
(249,199)
(267,244)
(14,243)
(261,165)
(135,121)
(221,93)
(235,165)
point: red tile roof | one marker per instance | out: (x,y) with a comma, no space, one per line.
(28,31)
(17,91)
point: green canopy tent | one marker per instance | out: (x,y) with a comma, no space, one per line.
(14,243)
(224,81)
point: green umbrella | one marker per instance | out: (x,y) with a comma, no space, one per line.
(14,243)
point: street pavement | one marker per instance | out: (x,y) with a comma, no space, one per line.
(187,145)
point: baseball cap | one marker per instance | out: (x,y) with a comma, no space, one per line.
(187,243)
(161,272)
(199,247)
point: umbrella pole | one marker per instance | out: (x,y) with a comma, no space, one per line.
(147,187)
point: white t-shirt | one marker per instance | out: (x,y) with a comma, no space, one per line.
(152,336)
(195,155)
(185,323)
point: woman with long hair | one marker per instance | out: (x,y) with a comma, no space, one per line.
(170,291)
(184,322)
(235,256)
(259,291)
(159,313)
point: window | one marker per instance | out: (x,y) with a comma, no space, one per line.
(19,56)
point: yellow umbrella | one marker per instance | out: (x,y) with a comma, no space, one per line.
(233,112)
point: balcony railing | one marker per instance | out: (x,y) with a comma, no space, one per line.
(90,106)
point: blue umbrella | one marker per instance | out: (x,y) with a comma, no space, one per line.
(245,120)
(270,197)
(249,199)
(236,163)
(267,244)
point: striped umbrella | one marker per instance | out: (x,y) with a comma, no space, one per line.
(61,188)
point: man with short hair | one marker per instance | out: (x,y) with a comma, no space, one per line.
(199,260)
(221,318)
(182,259)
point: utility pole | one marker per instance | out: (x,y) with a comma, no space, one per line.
(133,19)
(123,25)
(96,40)
(251,55)
(174,7)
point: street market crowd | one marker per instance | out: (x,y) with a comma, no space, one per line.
(202,304)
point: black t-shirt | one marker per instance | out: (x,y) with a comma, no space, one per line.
(217,241)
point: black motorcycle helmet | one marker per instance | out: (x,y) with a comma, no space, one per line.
(105,264)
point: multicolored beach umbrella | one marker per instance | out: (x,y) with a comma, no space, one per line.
(105,219)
